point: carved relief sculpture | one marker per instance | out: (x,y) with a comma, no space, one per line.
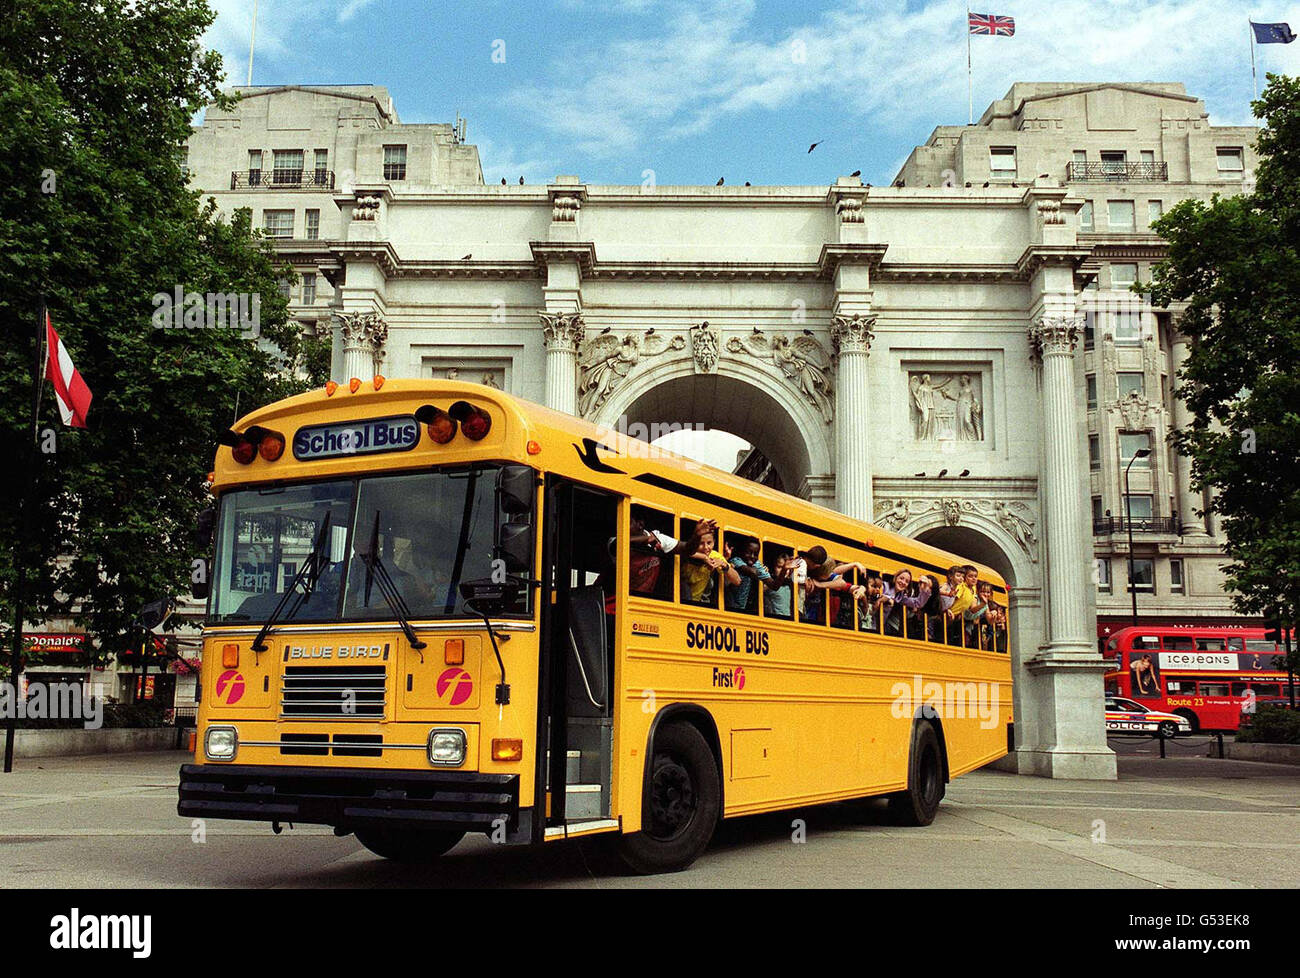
(565,208)
(1014,518)
(366,208)
(803,361)
(704,347)
(946,407)
(607,360)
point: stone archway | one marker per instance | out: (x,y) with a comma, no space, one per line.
(974,545)
(739,400)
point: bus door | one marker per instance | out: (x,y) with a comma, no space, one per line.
(578,650)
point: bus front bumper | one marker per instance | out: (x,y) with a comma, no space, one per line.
(350,797)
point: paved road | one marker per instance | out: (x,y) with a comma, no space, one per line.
(1186,821)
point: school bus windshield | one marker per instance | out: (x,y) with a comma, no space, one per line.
(429,532)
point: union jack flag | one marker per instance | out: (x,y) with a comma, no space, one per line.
(992,24)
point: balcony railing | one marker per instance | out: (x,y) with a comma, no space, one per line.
(282,180)
(1104,525)
(1117,172)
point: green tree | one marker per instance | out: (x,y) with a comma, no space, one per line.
(1234,262)
(97,219)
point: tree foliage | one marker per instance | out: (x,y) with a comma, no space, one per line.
(97,219)
(1235,263)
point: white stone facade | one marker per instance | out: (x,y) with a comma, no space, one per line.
(914,355)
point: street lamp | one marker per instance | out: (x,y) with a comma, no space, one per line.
(1128,518)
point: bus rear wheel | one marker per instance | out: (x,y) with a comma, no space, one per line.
(408,845)
(682,801)
(920,802)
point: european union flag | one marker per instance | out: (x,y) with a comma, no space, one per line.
(1273,33)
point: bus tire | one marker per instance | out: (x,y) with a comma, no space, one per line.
(408,845)
(682,800)
(925,789)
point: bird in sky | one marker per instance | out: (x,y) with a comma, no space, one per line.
(720,182)
(757,331)
(986,183)
(503,181)
(521,181)
(942,473)
(467,257)
(856,173)
(815,145)
(606,330)
(963,473)
(747,183)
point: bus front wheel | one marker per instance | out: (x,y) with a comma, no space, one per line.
(408,845)
(682,801)
(920,802)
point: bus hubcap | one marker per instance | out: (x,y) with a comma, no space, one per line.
(672,797)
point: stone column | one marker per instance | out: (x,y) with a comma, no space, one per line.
(364,335)
(1063,486)
(563,333)
(1189,500)
(851,337)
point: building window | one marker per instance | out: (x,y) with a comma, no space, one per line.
(286,289)
(286,166)
(1155,211)
(1147,156)
(1123,275)
(322,165)
(394,162)
(254,167)
(1230,165)
(1094,451)
(1002,162)
(278,224)
(309,288)
(1131,383)
(313,224)
(183,160)
(1097,514)
(1080,156)
(1140,506)
(1144,575)
(1176,575)
(1114,162)
(1090,382)
(1102,564)
(1128,327)
(1120,215)
(1085,216)
(1130,442)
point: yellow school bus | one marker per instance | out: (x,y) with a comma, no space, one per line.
(438,609)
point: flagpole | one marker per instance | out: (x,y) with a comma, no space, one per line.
(20,584)
(1253,77)
(970,97)
(251,41)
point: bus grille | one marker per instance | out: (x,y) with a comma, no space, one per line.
(335,693)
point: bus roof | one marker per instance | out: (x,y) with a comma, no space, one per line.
(523,421)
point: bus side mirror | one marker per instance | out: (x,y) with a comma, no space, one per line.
(203,527)
(515,547)
(515,487)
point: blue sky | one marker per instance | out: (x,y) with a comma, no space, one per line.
(736,88)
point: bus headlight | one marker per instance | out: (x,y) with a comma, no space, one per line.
(447,747)
(220,743)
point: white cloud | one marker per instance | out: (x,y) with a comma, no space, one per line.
(877,64)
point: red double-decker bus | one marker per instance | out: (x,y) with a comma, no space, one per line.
(1204,674)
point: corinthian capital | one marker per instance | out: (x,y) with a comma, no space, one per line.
(562,330)
(1055,335)
(364,328)
(852,334)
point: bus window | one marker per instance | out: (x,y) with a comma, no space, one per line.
(812,600)
(1261,689)
(842,602)
(1179,686)
(650,572)
(1179,644)
(1260,645)
(745,552)
(1213,689)
(702,570)
(778,598)
(1147,642)
(1236,644)
(1209,645)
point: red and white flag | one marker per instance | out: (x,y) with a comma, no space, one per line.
(69,389)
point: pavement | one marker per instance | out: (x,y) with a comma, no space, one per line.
(1182,821)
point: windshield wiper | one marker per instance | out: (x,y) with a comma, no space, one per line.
(377,573)
(306,577)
